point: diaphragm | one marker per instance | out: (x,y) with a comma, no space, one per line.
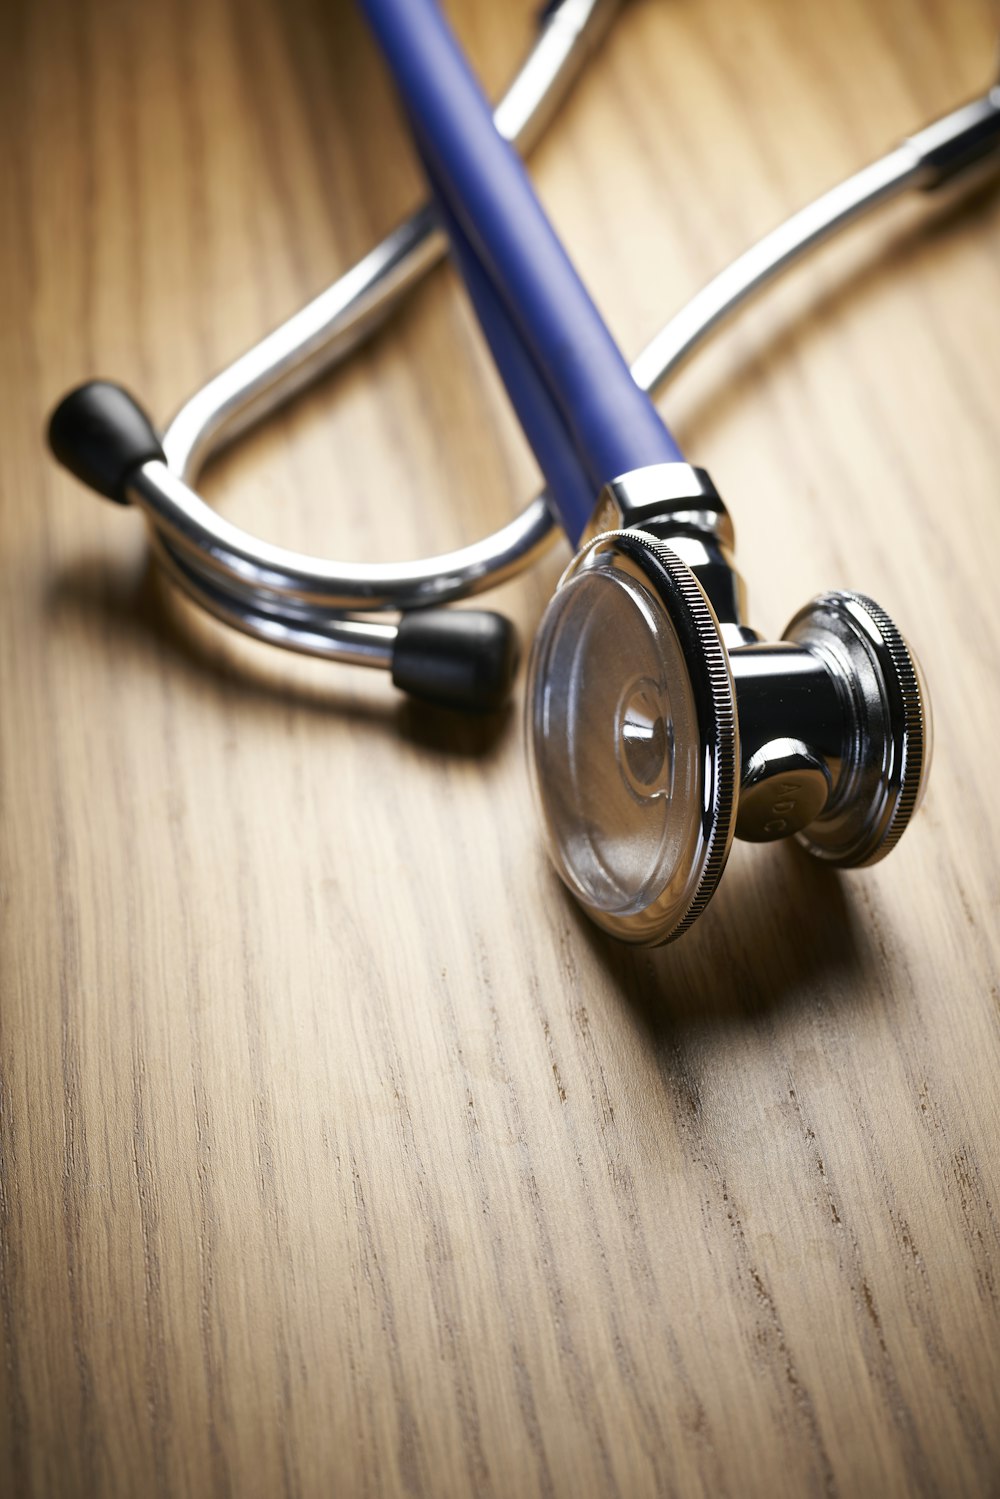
(632,737)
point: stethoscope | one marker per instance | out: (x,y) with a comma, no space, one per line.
(659,725)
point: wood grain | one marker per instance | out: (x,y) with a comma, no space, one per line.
(339,1155)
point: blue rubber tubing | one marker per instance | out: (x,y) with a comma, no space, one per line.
(538,305)
(569,488)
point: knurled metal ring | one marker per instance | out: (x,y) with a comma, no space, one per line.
(711,680)
(888,756)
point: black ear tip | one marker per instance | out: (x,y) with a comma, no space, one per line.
(101,434)
(459,658)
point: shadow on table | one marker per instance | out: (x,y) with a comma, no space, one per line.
(780,929)
(145,614)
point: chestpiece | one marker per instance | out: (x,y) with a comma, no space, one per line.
(659,726)
(632,737)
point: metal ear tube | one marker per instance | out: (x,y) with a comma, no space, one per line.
(311,604)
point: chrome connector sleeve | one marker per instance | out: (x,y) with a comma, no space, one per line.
(960,140)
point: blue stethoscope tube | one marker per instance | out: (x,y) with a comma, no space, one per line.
(583,414)
(569,484)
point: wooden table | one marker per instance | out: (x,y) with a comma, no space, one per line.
(339,1154)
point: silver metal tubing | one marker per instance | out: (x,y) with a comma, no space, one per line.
(235,559)
(913,164)
(341,318)
(351,641)
(278,594)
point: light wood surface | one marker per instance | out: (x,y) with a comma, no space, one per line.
(339,1154)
